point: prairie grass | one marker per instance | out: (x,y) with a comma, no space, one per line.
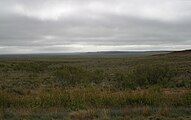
(96,88)
(84,98)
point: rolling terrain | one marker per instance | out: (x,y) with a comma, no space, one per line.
(103,85)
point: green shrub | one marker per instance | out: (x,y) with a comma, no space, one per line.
(97,76)
(69,75)
(152,74)
(122,81)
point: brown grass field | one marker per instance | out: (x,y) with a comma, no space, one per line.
(156,87)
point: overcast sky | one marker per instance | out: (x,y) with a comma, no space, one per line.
(49,26)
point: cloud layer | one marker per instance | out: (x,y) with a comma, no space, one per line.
(94,25)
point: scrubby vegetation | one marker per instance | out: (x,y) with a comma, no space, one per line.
(154,87)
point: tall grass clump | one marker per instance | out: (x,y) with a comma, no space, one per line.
(98,76)
(123,81)
(69,75)
(72,76)
(5,100)
(151,74)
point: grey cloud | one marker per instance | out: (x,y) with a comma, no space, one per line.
(88,25)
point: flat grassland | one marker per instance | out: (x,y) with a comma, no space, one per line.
(85,88)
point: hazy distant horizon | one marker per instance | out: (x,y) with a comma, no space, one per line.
(69,26)
(91,52)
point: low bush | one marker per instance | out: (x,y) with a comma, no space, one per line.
(145,75)
(123,81)
(69,75)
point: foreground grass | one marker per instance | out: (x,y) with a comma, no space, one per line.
(86,103)
(85,98)
(127,113)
